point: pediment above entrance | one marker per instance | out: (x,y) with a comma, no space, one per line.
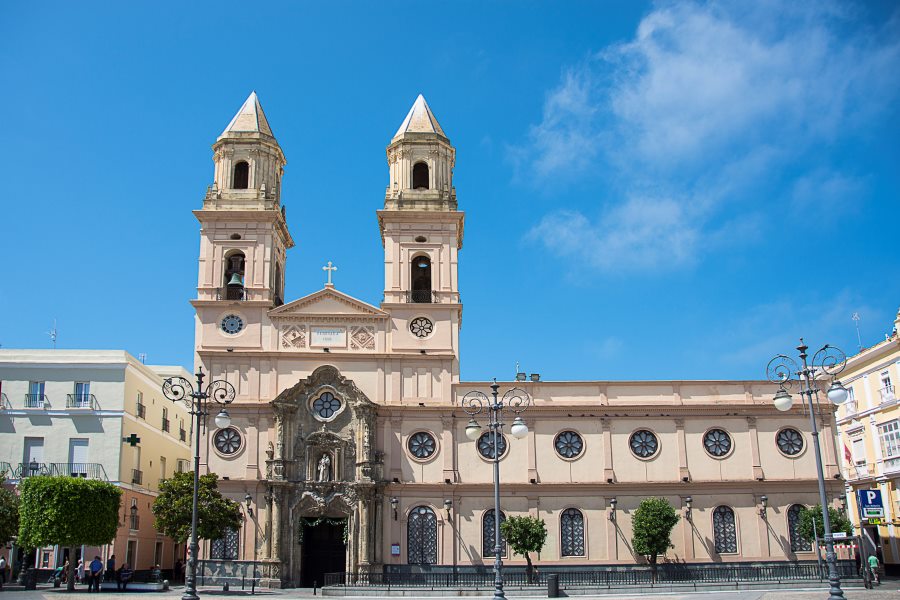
(328,303)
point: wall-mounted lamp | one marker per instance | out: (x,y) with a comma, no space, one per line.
(612,504)
(448,506)
(688,503)
(394,504)
(763,505)
(248,500)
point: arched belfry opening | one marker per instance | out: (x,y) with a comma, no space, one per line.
(241,179)
(234,276)
(420,279)
(420,176)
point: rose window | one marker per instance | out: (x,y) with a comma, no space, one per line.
(717,442)
(227,441)
(789,441)
(326,405)
(421,327)
(643,443)
(486,444)
(569,444)
(421,444)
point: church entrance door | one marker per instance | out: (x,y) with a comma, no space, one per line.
(324,551)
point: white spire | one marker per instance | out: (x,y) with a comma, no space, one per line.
(420,119)
(250,118)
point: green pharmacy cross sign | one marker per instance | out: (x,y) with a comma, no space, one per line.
(131,440)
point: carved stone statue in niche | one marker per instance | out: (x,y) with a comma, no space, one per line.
(324,468)
(270,451)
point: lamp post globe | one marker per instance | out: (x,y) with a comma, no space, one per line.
(473,430)
(223,419)
(837,393)
(783,401)
(519,429)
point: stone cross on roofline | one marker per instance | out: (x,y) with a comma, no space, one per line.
(329,268)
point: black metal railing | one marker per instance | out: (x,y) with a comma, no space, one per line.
(231,293)
(600,576)
(141,411)
(4,402)
(84,470)
(81,401)
(422,296)
(182,434)
(134,522)
(165,425)
(244,573)
(137,476)
(35,400)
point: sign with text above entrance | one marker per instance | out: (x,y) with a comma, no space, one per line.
(328,337)
(870,504)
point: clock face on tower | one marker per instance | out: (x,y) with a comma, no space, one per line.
(232,324)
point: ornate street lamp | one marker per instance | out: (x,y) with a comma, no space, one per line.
(783,370)
(475,402)
(179,389)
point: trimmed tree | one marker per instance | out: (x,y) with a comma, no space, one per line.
(9,512)
(524,535)
(808,516)
(215,513)
(652,526)
(68,511)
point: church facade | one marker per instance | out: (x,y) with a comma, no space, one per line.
(347,445)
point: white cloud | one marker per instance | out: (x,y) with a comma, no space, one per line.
(707,105)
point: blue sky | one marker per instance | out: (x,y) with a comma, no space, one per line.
(664,190)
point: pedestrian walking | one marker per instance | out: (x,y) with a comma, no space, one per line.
(873,567)
(79,571)
(111,567)
(2,571)
(96,569)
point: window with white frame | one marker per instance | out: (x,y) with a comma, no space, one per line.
(889,434)
(859,451)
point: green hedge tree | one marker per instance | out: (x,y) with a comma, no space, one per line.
(652,526)
(839,522)
(68,511)
(172,508)
(9,512)
(524,535)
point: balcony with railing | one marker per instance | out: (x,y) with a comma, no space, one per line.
(34,468)
(88,401)
(182,434)
(134,522)
(141,411)
(35,400)
(422,296)
(232,293)
(887,394)
(137,476)
(165,425)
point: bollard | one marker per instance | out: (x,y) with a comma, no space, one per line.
(225,587)
(553,585)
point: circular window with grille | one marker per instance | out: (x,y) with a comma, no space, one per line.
(421,327)
(717,443)
(644,443)
(421,445)
(568,444)
(326,406)
(486,445)
(789,441)
(227,441)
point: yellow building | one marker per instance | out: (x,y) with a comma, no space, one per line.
(66,412)
(869,425)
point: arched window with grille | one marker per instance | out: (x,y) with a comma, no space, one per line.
(798,544)
(487,534)
(725,530)
(225,548)
(571,525)
(421,536)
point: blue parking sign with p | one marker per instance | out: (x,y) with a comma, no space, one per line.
(870,504)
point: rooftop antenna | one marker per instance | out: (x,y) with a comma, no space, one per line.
(53,334)
(517,367)
(855,318)
(143,358)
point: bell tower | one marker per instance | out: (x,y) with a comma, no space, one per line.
(422,233)
(243,232)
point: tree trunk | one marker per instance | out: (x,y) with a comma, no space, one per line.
(652,558)
(529,569)
(70,575)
